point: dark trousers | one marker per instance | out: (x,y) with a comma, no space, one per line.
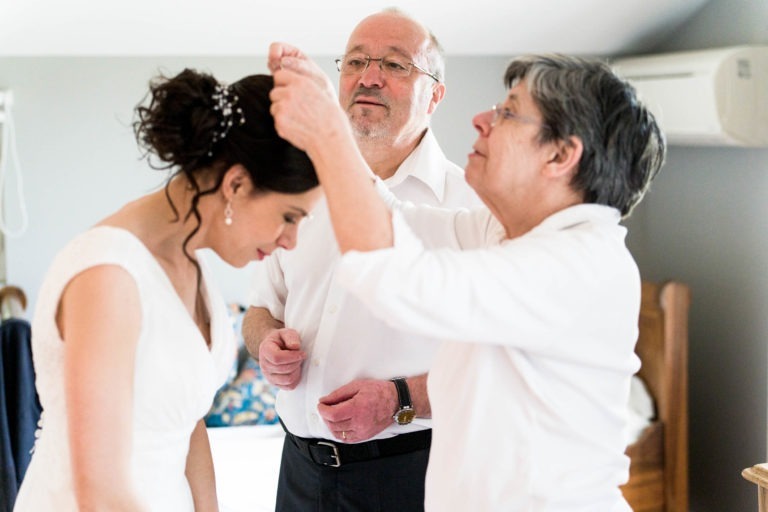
(387,484)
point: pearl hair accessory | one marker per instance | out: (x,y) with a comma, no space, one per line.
(225,102)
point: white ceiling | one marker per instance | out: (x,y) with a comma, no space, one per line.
(320,27)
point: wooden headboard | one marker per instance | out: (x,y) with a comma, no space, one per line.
(658,475)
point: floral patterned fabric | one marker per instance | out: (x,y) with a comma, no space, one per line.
(246,398)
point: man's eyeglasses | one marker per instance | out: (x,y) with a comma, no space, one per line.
(392,65)
(500,112)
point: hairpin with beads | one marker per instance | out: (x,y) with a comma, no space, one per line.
(225,103)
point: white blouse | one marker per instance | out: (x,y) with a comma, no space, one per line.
(529,389)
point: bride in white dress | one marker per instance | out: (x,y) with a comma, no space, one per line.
(130,337)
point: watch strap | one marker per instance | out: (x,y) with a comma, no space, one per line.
(403,393)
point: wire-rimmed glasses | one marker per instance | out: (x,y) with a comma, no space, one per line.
(391,65)
(500,112)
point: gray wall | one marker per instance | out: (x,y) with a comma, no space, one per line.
(76,147)
(79,158)
(704,223)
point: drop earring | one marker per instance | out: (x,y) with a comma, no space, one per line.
(228,214)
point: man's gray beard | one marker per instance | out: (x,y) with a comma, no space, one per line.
(370,133)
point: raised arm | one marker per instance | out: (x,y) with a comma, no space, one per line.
(307,113)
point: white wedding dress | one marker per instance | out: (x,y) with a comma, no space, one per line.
(175,377)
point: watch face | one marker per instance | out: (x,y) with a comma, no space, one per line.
(405,416)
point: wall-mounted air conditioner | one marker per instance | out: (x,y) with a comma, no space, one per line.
(713,97)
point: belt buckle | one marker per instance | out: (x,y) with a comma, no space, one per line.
(335,454)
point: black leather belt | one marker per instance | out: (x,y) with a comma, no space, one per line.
(333,454)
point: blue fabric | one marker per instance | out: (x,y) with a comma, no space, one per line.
(9,485)
(246,398)
(20,410)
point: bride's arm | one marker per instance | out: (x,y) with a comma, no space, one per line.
(199,471)
(99,320)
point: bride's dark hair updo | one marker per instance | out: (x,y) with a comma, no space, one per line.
(179,125)
(196,127)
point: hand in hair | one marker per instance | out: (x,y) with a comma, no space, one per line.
(304,102)
(307,113)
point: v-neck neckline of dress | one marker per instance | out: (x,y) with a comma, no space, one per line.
(204,291)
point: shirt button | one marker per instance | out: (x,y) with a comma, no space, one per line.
(314,417)
(315,362)
(333,309)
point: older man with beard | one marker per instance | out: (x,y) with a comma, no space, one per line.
(353,397)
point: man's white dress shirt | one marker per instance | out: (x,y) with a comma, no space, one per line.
(343,339)
(529,389)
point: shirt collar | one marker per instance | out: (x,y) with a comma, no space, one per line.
(580,214)
(421,165)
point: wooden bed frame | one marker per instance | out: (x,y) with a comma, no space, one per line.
(658,474)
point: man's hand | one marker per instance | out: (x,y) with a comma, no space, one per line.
(281,357)
(359,410)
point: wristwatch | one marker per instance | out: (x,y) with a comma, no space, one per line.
(405,413)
